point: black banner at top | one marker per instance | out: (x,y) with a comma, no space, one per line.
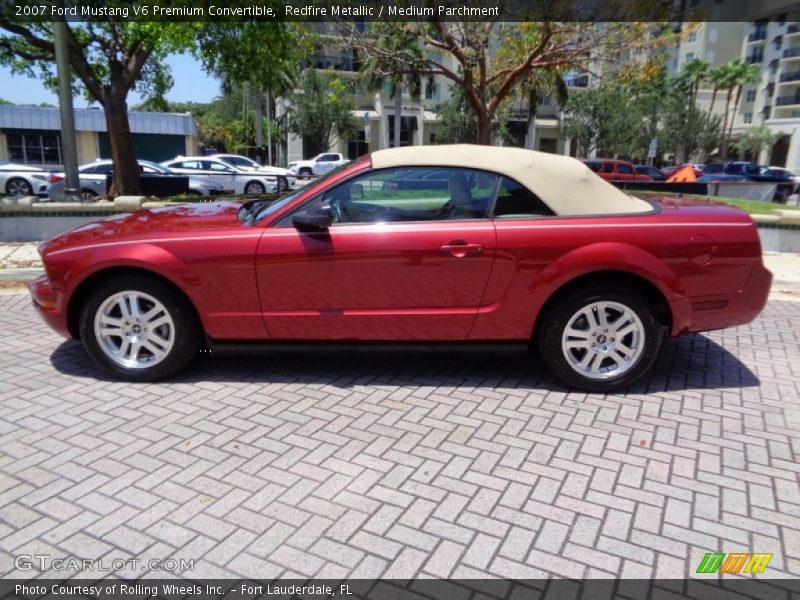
(398,10)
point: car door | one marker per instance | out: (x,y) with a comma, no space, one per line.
(405,259)
(326,163)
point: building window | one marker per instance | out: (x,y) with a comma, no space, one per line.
(689,56)
(748,118)
(35,148)
(431,90)
(543,100)
(692,37)
(750,96)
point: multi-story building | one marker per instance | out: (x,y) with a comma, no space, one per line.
(771,41)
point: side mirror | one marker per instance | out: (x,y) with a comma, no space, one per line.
(315,221)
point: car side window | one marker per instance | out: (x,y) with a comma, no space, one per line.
(608,167)
(514,201)
(190,164)
(327,157)
(624,169)
(594,166)
(215,166)
(407,194)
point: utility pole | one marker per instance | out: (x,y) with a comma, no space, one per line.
(69,148)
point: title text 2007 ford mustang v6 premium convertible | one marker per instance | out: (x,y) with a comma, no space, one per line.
(448,246)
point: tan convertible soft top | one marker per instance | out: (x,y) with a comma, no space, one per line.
(565,184)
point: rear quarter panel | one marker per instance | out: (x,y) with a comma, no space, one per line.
(690,253)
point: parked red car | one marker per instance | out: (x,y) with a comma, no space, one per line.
(450,246)
(615,170)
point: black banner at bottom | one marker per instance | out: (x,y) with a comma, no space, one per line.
(390,589)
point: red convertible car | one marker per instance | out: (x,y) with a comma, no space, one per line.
(446,247)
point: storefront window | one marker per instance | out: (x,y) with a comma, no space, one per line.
(35,148)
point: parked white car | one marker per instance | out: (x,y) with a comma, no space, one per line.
(93,178)
(22,180)
(286,179)
(241,181)
(319,165)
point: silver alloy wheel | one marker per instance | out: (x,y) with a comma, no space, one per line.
(134,329)
(603,340)
(18,187)
(254,188)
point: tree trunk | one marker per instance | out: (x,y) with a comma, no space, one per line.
(258,110)
(723,151)
(269,128)
(398,110)
(733,118)
(484,129)
(126,169)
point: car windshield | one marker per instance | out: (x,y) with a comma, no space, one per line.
(253,212)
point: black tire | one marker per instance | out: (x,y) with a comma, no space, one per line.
(16,186)
(305,172)
(254,187)
(561,359)
(283,184)
(89,195)
(184,330)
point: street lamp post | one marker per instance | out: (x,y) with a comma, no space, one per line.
(69,148)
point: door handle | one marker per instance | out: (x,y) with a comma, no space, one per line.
(461,248)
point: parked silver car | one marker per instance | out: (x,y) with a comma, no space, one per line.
(93,180)
(242,181)
(22,180)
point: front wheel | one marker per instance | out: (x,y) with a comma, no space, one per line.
(305,172)
(600,339)
(17,186)
(139,328)
(254,187)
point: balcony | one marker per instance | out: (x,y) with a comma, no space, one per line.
(787,100)
(759,35)
(787,77)
(754,59)
(793,28)
(791,53)
(336,62)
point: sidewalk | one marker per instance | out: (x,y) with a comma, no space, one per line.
(19,263)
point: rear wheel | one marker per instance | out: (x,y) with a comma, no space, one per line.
(17,186)
(139,328)
(603,338)
(305,172)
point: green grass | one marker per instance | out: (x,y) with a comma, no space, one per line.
(754,207)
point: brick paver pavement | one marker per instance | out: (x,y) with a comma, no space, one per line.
(366,466)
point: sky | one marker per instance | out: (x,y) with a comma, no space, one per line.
(191,84)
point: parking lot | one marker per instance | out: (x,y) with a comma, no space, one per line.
(362,466)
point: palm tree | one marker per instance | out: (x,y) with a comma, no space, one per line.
(694,72)
(376,73)
(743,74)
(728,75)
(718,79)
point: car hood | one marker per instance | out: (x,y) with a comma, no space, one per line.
(150,224)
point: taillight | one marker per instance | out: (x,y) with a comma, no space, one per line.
(56,178)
